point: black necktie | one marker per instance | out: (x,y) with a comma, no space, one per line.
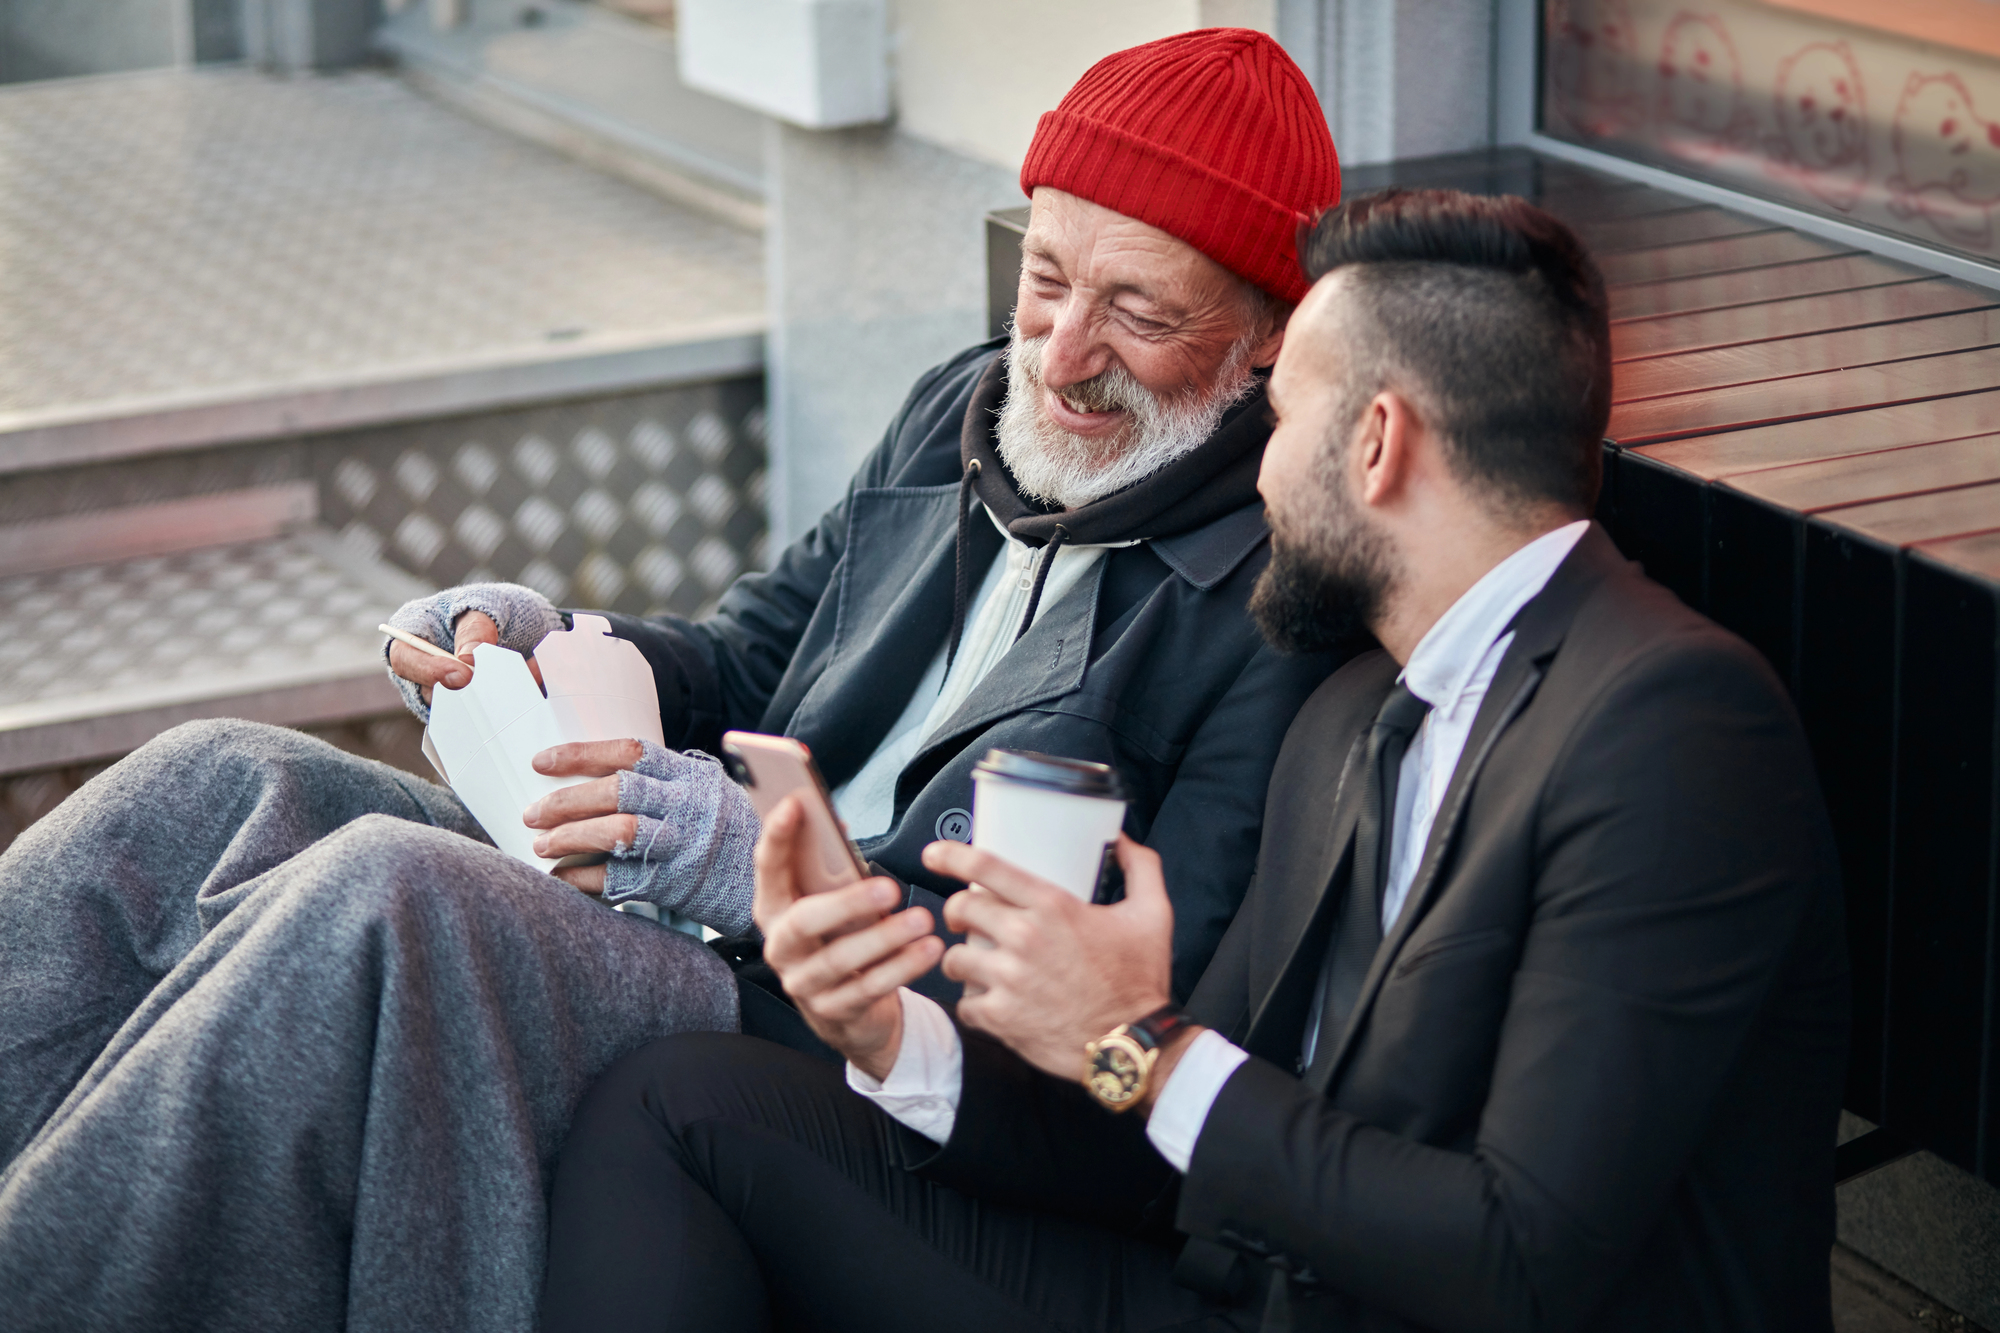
(1359,933)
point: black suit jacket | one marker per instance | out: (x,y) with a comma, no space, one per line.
(1592,1077)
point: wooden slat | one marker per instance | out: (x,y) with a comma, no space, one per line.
(1978,555)
(1828,393)
(1933,516)
(1819,313)
(1487,171)
(1928,422)
(1872,344)
(1601,205)
(1442,168)
(1704,223)
(1557,174)
(1726,254)
(1815,463)
(1884,475)
(1844,273)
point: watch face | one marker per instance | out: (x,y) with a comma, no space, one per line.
(1116,1070)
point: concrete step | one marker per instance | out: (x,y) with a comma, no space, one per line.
(201,257)
(97,659)
(277,353)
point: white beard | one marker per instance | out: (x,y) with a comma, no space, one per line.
(1055,466)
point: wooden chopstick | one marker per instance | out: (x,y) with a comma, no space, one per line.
(421,645)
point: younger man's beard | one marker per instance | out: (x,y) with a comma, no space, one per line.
(1056,466)
(1325,587)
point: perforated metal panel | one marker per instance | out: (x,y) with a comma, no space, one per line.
(644,502)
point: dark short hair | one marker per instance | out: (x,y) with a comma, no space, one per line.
(1491,314)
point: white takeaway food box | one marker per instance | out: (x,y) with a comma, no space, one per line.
(483,739)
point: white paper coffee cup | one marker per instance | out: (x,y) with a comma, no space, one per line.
(1052,817)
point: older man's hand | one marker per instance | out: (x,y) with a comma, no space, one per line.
(1061,972)
(426,672)
(843,954)
(583,818)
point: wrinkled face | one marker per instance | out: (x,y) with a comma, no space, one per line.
(1332,567)
(1128,346)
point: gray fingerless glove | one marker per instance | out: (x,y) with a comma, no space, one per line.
(691,853)
(524,616)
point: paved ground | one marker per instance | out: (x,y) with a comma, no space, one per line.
(1868,1300)
(185,231)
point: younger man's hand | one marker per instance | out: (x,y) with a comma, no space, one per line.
(1061,972)
(844,954)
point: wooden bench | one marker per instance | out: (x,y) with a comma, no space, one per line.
(1805,445)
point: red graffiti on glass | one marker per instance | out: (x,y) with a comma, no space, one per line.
(1593,64)
(1700,87)
(1821,115)
(1947,160)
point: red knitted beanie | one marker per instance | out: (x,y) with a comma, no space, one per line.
(1213,135)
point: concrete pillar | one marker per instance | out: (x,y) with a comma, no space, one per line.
(308,34)
(53,39)
(1408,79)
(875,248)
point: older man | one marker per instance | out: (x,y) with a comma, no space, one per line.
(283,1046)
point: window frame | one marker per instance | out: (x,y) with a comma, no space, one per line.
(1517,80)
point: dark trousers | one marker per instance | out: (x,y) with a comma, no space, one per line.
(720,1182)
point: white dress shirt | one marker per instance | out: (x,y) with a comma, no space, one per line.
(1451,670)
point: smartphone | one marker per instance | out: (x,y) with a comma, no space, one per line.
(772,768)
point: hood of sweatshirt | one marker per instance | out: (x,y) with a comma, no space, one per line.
(1217,477)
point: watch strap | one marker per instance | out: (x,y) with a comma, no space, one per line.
(1154,1030)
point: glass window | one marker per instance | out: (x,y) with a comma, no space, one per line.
(1884,114)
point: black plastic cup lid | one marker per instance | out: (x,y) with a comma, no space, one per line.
(1078,777)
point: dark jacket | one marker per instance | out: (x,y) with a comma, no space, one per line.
(1151,664)
(1592,1077)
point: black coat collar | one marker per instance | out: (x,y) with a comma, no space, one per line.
(1215,481)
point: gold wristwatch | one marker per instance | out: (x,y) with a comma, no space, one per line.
(1121,1061)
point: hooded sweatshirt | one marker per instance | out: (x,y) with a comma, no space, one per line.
(1047,553)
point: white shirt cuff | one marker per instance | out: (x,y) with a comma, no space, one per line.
(924,1084)
(1183,1105)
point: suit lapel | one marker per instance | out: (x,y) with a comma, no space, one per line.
(1538,632)
(1304,919)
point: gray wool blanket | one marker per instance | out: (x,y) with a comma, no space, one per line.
(284,1044)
